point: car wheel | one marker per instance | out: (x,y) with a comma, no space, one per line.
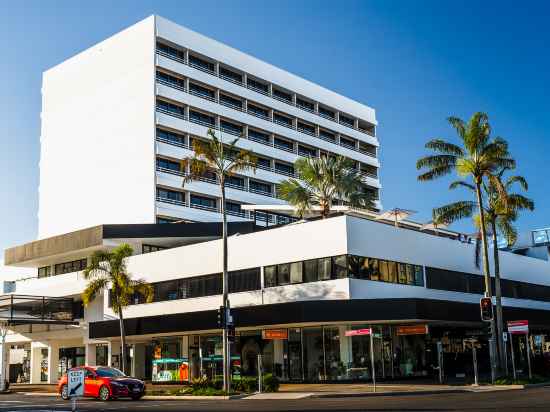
(64,392)
(104,394)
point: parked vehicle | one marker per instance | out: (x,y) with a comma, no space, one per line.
(105,383)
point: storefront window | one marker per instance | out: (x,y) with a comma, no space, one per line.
(334,368)
(312,341)
(101,353)
(211,355)
(168,364)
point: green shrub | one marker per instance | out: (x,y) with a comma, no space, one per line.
(270,383)
(201,382)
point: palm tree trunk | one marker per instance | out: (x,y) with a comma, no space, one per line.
(486,272)
(225,299)
(498,294)
(122,341)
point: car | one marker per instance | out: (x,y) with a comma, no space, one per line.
(105,383)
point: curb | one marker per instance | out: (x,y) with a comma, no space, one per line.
(393,393)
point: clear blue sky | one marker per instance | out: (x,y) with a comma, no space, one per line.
(415,62)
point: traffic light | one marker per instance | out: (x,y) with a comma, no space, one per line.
(486,307)
(221,317)
(231,333)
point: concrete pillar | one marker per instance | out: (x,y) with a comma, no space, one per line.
(346,356)
(36,361)
(90,359)
(53,362)
(138,360)
(4,358)
(113,350)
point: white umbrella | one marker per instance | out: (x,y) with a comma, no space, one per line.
(395,215)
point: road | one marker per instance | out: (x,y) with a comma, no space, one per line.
(536,399)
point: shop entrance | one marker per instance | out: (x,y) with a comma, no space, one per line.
(70,358)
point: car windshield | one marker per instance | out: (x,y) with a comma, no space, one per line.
(109,373)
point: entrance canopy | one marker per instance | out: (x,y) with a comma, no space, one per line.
(29,310)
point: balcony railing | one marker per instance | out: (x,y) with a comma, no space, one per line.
(255,114)
(170,201)
(261,91)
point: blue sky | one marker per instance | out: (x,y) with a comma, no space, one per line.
(415,62)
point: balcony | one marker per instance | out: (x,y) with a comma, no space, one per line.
(29,310)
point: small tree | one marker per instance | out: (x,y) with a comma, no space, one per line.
(222,159)
(108,269)
(324,181)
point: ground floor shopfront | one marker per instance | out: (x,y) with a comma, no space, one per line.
(322,353)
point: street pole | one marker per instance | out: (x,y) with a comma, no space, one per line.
(528,355)
(372,359)
(474,355)
(3,332)
(512,356)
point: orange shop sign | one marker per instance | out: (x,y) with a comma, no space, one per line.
(412,330)
(275,334)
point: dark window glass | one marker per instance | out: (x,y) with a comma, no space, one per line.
(201,63)
(172,51)
(244,280)
(392,272)
(324,269)
(201,91)
(304,104)
(270,276)
(384,273)
(68,267)
(347,142)
(172,80)
(201,118)
(168,164)
(296,272)
(311,271)
(254,84)
(284,168)
(347,121)
(284,144)
(233,207)
(170,136)
(255,135)
(307,128)
(151,248)
(258,111)
(418,276)
(169,194)
(44,271)
(282,95)
(340,267)
(259,186)
(373,269)
(226,73)
(170,107)
(231,127)
(263,162)
(166,291)
(283,274)
(306,151)
(230,101)
(203,201)
(327,135)
(282,119)
(326,112)
(234,181)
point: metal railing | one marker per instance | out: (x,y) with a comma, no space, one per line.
(170,201)
(261,91)
(255,114)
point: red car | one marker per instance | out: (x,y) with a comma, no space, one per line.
(105,383)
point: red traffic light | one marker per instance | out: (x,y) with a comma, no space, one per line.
(486,307)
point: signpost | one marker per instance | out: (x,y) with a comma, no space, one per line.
(367,331)
(75,385)
(520,327)
(473,343)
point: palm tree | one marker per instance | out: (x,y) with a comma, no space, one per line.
(224,160)
(478,156)
(108,269)
(324,181)
(500,213)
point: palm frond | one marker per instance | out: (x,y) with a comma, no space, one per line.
(93,289)
(444,147)
(462,183)
(454,211)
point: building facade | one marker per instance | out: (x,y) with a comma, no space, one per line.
(129,108)
(296,291)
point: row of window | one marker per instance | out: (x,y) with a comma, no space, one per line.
(443,279)
(262,162)
(344,266)
(201,286)
(263,87)
(61,268)
(256,110)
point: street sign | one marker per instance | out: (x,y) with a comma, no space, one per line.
(518,327)
(358,332)
(504,337)
(75,381)
(412,330)
(275,334)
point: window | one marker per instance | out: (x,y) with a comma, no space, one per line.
(384,273)
(285,121)
(270,276)
(234,181)
(323,134)
(201,201)
(151,248)
(172,51)
(283,144)
(281,95)
(262,162)
(347,142)
(231,128)
(256,85)
(346,121)
(258,136)
(296,270)
(540,236)
(230,75)
(166,291)
(256,186)
(304,104)
(234,209)
(244,280)
(306,151)
(283,274)
(171,137)
(284,168)
(201,91)
(326,112)
(168,164)
(169,194)
(306,128)
(340,267)
(171,80)
(201,118)
(231,102)
(164,220)
(324,268)
(44,271)
(170,107)
(257,111)
(73,266)
(200,63)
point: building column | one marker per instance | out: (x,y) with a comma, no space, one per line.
(4,357)
(53,362)
(113,351)
(138,360)
(90,354)
(346,356)
(36,361)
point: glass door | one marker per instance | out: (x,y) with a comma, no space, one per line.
(295,355)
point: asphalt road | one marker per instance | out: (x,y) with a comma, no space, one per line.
(537,399)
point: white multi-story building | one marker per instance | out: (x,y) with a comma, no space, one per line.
(118,118)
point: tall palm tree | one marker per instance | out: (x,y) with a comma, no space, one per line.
(476,157)
(324,181)
(501,211)
(108,269)
(224,160)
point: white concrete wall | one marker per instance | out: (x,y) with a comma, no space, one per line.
(97,138)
